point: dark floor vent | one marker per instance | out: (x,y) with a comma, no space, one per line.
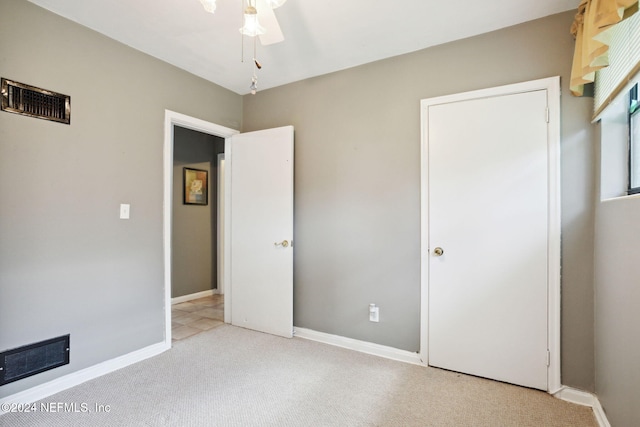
(32,359)
(31,101)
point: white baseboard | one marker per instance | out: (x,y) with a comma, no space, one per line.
(71,380)
(585,399)
(197,295)
(361,346)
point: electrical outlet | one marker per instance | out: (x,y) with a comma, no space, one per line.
(374,313)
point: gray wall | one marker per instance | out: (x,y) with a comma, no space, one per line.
(617,273)
(357,182)
(67,263)
(194,227)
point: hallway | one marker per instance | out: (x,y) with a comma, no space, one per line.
(192,317)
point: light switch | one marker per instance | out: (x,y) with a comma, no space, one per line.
(124,211)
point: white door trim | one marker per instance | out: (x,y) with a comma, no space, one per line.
(220,222)
(552,85)
(172,118)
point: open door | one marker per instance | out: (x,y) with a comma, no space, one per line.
(261,238)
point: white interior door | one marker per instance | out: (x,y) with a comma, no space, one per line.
(488,213)
(261,216)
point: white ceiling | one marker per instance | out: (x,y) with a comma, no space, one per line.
(321,36)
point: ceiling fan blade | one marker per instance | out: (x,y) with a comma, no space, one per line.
(268,20)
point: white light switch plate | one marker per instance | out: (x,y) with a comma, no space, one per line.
(124,211)
(374,314)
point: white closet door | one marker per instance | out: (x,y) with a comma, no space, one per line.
(488,213)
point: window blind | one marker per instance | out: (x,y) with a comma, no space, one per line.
(624,63)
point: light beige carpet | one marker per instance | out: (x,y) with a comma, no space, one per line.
(230,376)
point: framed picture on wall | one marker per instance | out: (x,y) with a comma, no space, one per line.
(196,186)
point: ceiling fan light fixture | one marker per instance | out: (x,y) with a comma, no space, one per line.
(254,85)
(209,5)
(274,4)
(251,25)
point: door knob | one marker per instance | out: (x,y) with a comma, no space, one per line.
(438,251)
(284,243)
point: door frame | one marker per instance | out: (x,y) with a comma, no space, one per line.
(552,86)
(171,119)
(220,221)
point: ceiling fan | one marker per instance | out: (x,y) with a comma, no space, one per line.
(259,19)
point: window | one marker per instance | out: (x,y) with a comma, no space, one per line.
(634,141)
(620,144)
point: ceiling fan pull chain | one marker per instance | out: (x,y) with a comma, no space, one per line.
(254,79)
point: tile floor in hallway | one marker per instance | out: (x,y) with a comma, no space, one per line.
(192,317)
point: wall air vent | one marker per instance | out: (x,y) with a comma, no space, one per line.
(31,101)
(32,359)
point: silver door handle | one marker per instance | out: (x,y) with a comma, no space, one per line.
(284,243)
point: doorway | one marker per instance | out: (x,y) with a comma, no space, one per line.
(194,222)
(491,233)
(173,119)
(197,303)
(255,160)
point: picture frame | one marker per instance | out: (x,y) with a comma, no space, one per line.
(195,186)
